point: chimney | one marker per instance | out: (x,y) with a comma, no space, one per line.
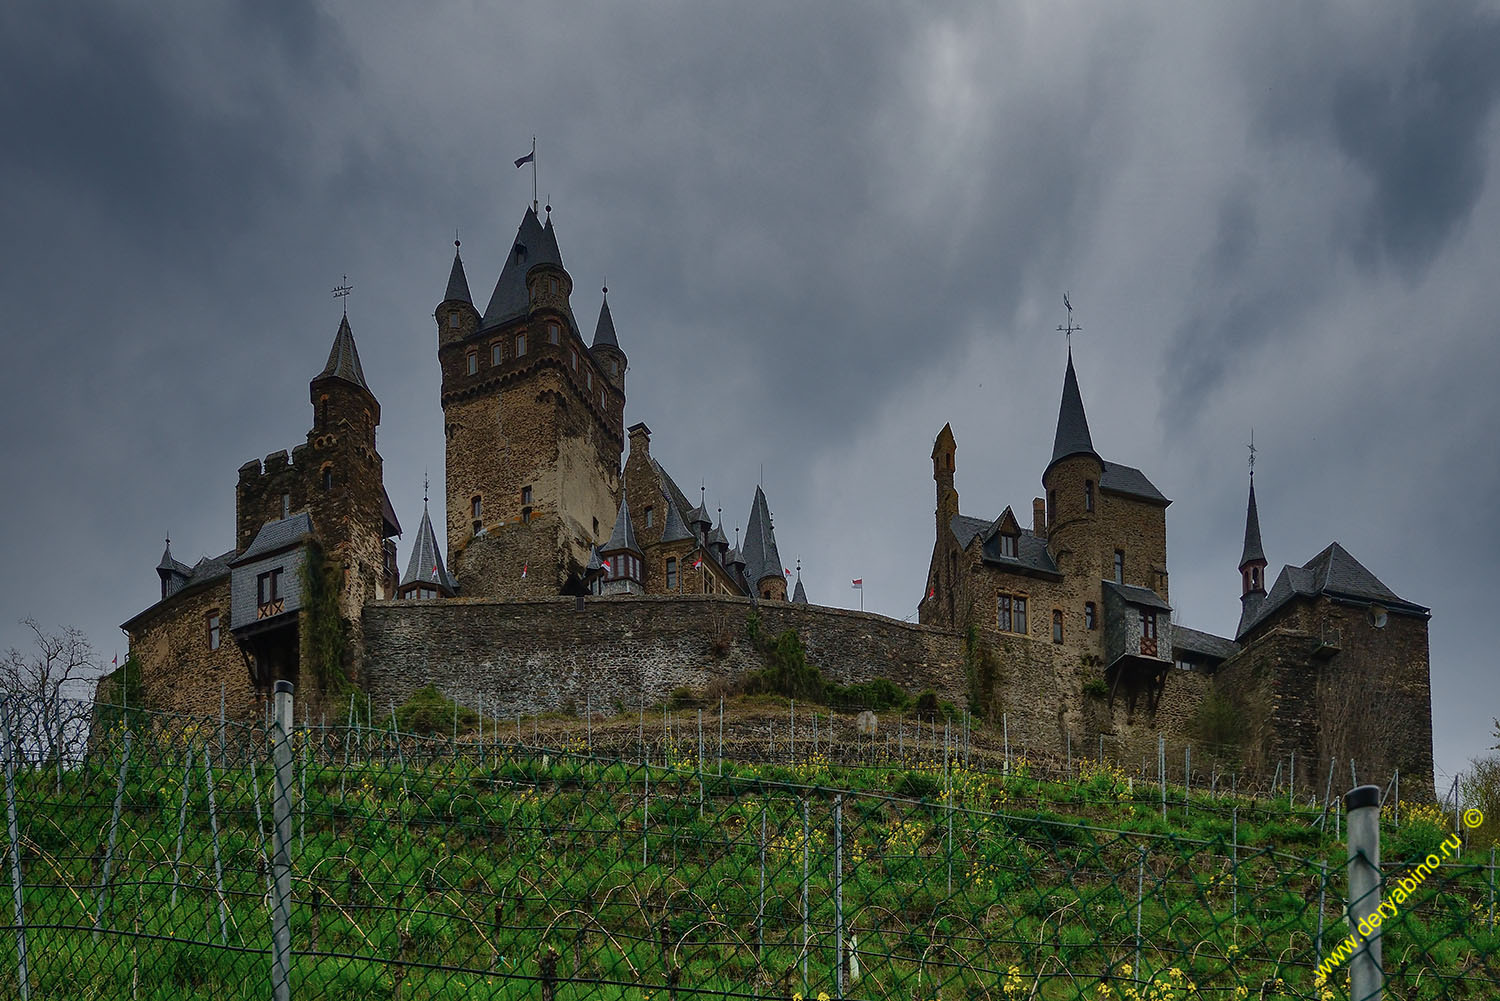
(1039,517)
(640,439)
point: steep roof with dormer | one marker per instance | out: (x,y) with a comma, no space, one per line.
(343,359)
(426,563)
(534,244)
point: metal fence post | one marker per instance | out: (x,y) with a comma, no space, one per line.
(114,828)
(1366,979)
(838,895)
(804,892)
(7,750)
(281,864)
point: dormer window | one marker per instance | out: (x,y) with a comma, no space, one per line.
(1009,545)
(1088,495)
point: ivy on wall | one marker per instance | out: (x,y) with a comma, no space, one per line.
(324,645)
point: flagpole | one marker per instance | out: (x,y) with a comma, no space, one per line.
(533,173)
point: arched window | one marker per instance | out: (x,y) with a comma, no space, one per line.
(472,361)
(1057,635)
(327,477)
(497,353)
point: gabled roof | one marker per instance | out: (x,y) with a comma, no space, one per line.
(761,558)
(275,536)
(1252,550)
(1072,436)
(426,563)
(533,245)
(1031,550)
(1335,574)
(1194,644)
(673,529)
(1139,595)
(1129,481)
(343,359)
(458,282)
(622,539)
(604,331)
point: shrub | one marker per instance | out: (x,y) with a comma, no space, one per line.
(429,711)
(1095,688)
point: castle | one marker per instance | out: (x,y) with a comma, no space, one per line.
(566,578)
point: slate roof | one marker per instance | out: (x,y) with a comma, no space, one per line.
(388,514)
(799,596)
(1252,550)
(1072,436)
(533,245)
(1139,595)
(596,562)
(734,558)
(604,331)
(622,539)
(458,282)
(761,558)
(1031,549)
(426,563)
(343,359)
(673,529)
(1129,481)
(1334,573)
(670,488)
(277,535)
(1196,643)
(171,565)
(717,536)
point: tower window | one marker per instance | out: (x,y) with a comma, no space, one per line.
(1057,625)
(525,495)
(476,507)
(520,345)
(650,515)
(1089,622)
(671,573)
(588,378)
(554,333)
(214,633)
(453,320)
(1119,566)
(286,505)
(497,353)
(574,357)
(614,369)
(323,411)
(327,477)
(473,362)
(1088,495)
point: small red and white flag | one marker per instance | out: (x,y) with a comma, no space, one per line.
(786,571)
(116,661)
(859,584)
(604,564)
(524,568)
(697,563)
(932,592)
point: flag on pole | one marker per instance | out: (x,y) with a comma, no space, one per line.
(859,584)
(932,592)
(526,159)
(786,571)
(697,563)
(116,661)
(524,567)
(604,564)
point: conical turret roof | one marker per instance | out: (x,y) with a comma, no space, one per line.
(761,558)
(458,282)
(799,596)
(1252,550)
(674,530)
(604,331)
(343,359)
(622,539)
(426,563)
(1072,436)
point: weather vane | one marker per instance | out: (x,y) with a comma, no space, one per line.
(342,292)
(1253,450)
(1071,327)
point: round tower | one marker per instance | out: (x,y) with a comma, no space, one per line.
(456,316)
(606,347)
(1071,479)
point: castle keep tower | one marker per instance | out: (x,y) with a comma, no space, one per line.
(534,423)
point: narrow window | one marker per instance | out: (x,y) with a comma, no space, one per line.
(213,630)
(1088,495)
(1051,506)
(1088,615)
(588,378)
(497,353)
(453,321)
(602,401)
(574,356)
(596,528)
(525,495)
(525,515)
(1119,566)
(520,345)
(614,369)
(1057,625)
(1020,605)
(650,516)
(1003,620)
(473,362)
(1148,625)
(554,333)
(286,504)
(327,477)
(476,507)
(671,573)
(262,588)
(323,410)
(1008,545)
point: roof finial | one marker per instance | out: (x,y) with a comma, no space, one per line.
(736,536)
(799,568)
(606,287)
(1253,450)
(549,207)
(456,242)
(424,487)
(1071,327)
(342,292)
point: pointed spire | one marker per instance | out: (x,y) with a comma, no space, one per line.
(534,244)
(343,359)
(458,282)
(673,529)
(167,563)
(604,331)
(622,539)
(761,558)
(426,563)
(1252,551)
(1072,425)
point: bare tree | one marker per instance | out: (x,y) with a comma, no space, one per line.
(37,685)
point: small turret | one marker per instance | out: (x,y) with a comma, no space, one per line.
(172,573)
(606,347)
(622,556)
(456,316)
(943,452)
(1252,561)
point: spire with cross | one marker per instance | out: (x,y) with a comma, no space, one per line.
(1071,327)
(1253,450)
(342,290)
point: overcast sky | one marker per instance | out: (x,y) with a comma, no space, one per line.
(827,230)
